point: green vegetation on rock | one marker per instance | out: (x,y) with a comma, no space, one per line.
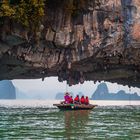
(27,12)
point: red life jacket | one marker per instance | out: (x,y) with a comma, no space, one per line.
(76,99)
(82,100)
(86,101)
(70,100)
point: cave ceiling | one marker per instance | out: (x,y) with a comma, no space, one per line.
(77,41)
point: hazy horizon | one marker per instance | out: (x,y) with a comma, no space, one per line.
(51,86)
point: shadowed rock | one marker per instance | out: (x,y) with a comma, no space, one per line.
(76,41)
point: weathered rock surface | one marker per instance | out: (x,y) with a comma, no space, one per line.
(95,40)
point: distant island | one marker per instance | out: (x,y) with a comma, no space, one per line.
(59,96)
(102,93)
(7,90)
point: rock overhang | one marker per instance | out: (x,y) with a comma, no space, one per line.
(97,40)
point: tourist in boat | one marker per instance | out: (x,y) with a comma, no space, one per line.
(67,98)
(77,100)
(71,100)
(86,101)
(82,100)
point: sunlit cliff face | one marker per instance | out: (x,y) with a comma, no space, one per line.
(76,40)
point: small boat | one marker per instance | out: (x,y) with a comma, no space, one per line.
(74,106)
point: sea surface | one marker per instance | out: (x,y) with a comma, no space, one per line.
(21,119)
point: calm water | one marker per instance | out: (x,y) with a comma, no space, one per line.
(109,123)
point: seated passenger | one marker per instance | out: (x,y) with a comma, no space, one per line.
(86,100)
(67,98)
(76,100)
(71,100)
(82,100)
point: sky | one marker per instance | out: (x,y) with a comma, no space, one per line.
(51,86)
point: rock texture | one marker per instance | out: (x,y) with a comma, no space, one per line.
(77,40)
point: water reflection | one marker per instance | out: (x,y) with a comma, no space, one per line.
(75,121)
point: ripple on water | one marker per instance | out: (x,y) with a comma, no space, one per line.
(43,123)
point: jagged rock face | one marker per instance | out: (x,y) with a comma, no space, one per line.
(98,41)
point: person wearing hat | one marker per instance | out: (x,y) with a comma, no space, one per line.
(67,98)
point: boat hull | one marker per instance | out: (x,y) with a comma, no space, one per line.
(74,106)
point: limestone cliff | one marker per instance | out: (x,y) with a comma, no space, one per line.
(102,93)
(7,90)
(77,40)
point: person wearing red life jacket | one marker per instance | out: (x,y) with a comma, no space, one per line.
(76,99)
(82,100)
(86,100)
(71,100)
